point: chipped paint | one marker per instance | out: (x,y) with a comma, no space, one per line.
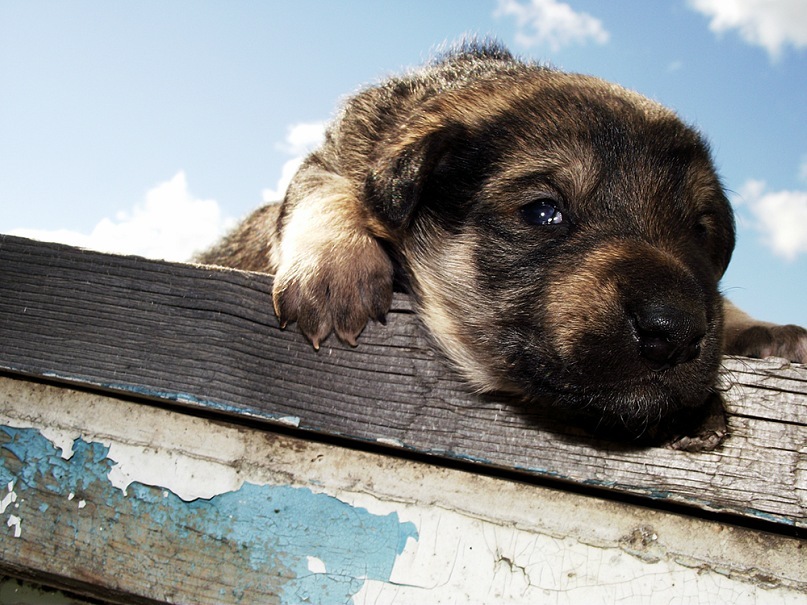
(390,441)
(179,397)
(15,522)
(282,530)
(187,477)
(479,539)
(9,498)
(316,565)
(290,421)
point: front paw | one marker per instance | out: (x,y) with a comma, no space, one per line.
(334,287)
(768,340)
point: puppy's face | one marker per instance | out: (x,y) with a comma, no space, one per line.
(568,244)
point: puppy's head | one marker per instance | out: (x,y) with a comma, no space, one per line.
(565,238)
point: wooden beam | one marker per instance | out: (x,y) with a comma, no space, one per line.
(208,339)
(136,504)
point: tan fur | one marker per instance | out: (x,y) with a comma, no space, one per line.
(561,236)
(326,231)
(448,301)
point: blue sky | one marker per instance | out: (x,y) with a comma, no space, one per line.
(147,127)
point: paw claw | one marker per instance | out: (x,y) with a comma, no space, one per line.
(324,293)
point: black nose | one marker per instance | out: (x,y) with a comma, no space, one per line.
(668,335)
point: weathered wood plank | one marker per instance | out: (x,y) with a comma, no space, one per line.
(208,339)
(138,504)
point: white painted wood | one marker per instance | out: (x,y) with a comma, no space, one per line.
(479,539)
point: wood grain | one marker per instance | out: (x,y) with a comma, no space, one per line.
(134,503)
(207,338)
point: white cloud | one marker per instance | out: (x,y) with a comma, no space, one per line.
(300,140)
(771,24)
(172,224)
(780,216)
(169,224)
(271,196)
(551,22)
(303,137)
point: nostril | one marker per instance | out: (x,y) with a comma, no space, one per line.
(668,335)
(657,350)
(661,354)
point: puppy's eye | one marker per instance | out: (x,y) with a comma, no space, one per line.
(542,212)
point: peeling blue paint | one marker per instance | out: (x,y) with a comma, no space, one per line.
(178,397)
(539,470)
(275,529)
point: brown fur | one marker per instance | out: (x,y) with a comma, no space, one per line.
(440,175)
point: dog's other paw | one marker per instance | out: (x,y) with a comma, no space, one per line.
(334,286)
(768,340)
(749,337)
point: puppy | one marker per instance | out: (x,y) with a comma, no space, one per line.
(562,237)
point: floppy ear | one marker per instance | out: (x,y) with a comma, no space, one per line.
(400,171)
